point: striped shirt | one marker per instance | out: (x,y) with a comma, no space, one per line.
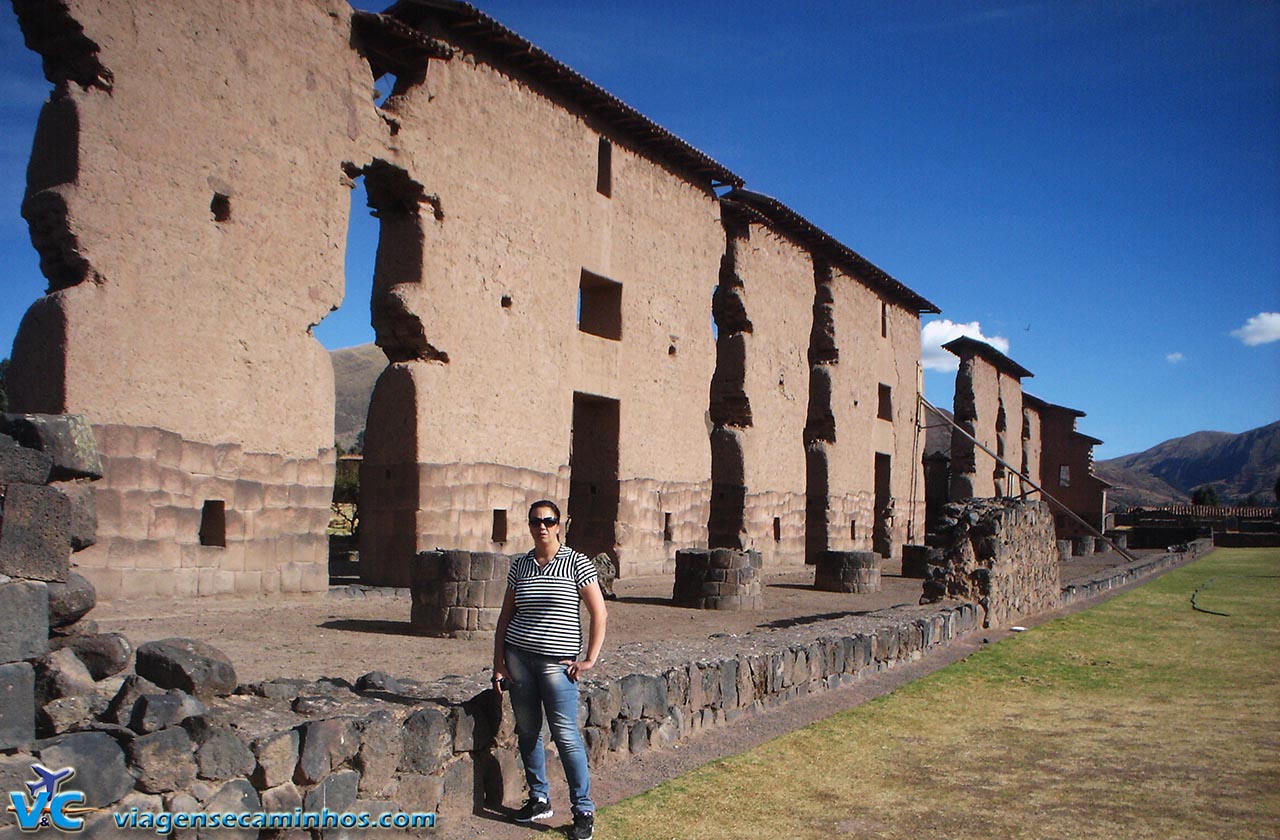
(546,620)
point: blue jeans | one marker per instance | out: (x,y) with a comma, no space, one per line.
(539,682)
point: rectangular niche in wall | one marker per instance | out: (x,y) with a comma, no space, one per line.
(884,407)
(600,306)
(213,523)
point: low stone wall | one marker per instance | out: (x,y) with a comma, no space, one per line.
(1000,554)
(1117,576)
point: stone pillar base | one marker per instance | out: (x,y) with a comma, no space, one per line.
(848,571)
(457,593)
(1082,546)
(1064,550)
(718,579)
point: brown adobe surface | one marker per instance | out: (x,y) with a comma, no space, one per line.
(310,637)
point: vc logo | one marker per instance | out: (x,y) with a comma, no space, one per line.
(44,806)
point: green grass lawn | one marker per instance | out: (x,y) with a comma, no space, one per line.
(1138,718)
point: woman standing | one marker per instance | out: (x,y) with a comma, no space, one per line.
(535,657)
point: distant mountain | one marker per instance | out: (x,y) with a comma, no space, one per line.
(355,370)
(1237,465)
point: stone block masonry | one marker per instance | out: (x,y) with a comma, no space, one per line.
(458,593)
(848,571)
(185,518)
(718,579)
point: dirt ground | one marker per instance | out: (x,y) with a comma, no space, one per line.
(347,637)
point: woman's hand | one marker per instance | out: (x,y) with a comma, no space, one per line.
(573,669)
(501,679)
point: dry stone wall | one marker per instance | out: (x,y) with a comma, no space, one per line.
(1000,554)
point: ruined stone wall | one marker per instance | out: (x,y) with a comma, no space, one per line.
(1000,554)
(186,197)
(871,357)
(516,222)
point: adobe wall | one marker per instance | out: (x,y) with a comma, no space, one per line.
(988,405)
(186,196)
(1032,450)
(515,226)
(764,311)
(1065,447)
(870,357)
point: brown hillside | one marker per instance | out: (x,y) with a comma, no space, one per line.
(355,370)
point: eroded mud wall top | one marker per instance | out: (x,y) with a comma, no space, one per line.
(988,405)
(187,197)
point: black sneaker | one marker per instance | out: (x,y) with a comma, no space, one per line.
(582,826)
(534,810)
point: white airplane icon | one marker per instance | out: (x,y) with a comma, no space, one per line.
(49,779)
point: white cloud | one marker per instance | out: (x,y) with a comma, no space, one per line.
(1174,358)
(1262,328)
(937,333)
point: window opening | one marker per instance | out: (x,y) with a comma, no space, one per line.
(666,527)
(777,529)
(1064,476)
(213,523)
(604,168)
(884,320)
(885,410)
(600,306)
(499,534)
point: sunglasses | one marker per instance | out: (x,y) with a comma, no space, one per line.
(548,521)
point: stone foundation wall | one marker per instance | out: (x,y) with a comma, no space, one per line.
(462,503)
(783,546)
(643,509)
(1000,554)
(152,499)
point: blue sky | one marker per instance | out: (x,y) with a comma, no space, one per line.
(1092,186)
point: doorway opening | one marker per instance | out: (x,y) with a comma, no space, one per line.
(882,531)
(593,475)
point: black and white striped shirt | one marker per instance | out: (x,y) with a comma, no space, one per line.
(546,620)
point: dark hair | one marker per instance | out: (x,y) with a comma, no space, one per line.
(546,503)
